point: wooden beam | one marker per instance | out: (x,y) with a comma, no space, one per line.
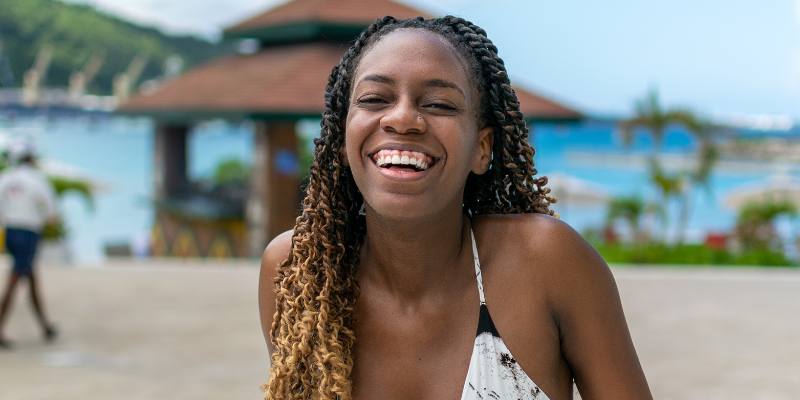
(170,158)
(274,184)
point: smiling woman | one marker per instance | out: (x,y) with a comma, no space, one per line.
(380,292)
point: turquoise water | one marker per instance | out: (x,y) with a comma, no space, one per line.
(117,153)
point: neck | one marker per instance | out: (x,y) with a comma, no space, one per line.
(414,259)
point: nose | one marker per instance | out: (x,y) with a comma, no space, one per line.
(403,117)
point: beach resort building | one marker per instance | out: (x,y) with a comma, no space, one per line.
(279,83)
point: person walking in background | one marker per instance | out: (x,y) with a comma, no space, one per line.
(27,203)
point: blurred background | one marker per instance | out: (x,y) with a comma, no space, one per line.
(177,135)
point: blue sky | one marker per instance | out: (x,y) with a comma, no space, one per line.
(722,57)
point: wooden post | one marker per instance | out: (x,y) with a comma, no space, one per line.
(170,159)
(273,201)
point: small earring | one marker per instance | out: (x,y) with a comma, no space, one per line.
(363,209)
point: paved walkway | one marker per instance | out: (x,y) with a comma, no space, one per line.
(190,331)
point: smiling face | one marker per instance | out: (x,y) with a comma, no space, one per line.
(412,134)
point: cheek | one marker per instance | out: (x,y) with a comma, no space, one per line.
(356,132)
(464,144)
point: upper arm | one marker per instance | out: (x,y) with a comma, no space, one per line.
(274,255)
(595,340)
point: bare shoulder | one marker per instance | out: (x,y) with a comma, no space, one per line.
(276,252)
(560,252)
(582,297)
(274,255)
(546,252)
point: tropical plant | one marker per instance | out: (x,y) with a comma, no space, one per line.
(63,186)
(669,186)
(652,117)
(707,135)
(3,159)
(755,224)
(231,171)
(688,254)
(630,209)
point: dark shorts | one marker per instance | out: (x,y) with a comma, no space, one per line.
(21,244)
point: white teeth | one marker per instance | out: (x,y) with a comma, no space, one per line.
(384,158)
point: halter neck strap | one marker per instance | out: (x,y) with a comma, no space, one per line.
(477,266)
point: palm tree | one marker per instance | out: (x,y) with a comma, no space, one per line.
(651,116)
(706,134)
(670,186)
(62,186)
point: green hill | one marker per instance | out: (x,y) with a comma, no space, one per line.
(76,32)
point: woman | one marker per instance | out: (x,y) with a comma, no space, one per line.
(422,214)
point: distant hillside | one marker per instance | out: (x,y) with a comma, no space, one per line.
(76,32)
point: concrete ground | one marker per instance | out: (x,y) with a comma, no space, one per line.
(176,330)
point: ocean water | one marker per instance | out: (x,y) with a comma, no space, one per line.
(116,152)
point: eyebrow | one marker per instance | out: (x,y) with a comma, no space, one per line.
(441,83)
(444,84)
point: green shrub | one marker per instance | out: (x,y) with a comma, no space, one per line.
(687,254)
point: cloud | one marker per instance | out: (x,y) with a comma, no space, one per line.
(202,17)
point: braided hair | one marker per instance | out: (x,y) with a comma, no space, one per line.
(316,289)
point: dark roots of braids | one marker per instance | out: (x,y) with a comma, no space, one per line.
(316,289)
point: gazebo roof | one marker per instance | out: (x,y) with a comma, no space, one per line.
(313,19)
(301,41)
(285,82)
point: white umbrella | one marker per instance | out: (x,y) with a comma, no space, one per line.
(571,191)
(778,188)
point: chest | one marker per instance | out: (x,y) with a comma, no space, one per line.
(426,355)
(419,354)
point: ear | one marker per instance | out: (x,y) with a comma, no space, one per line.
(484,156)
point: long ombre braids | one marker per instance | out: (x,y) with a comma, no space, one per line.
(316,288)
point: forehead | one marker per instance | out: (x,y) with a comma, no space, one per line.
(417,52)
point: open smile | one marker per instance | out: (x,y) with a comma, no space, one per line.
(403,164)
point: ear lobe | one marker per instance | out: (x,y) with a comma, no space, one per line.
(485,145)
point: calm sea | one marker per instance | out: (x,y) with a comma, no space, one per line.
(116,152)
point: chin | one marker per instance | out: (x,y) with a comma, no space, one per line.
(402,207)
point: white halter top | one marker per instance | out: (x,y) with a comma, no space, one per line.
(493,373)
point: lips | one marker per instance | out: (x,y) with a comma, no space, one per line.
(403,155)
(402,162)
(402,159)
